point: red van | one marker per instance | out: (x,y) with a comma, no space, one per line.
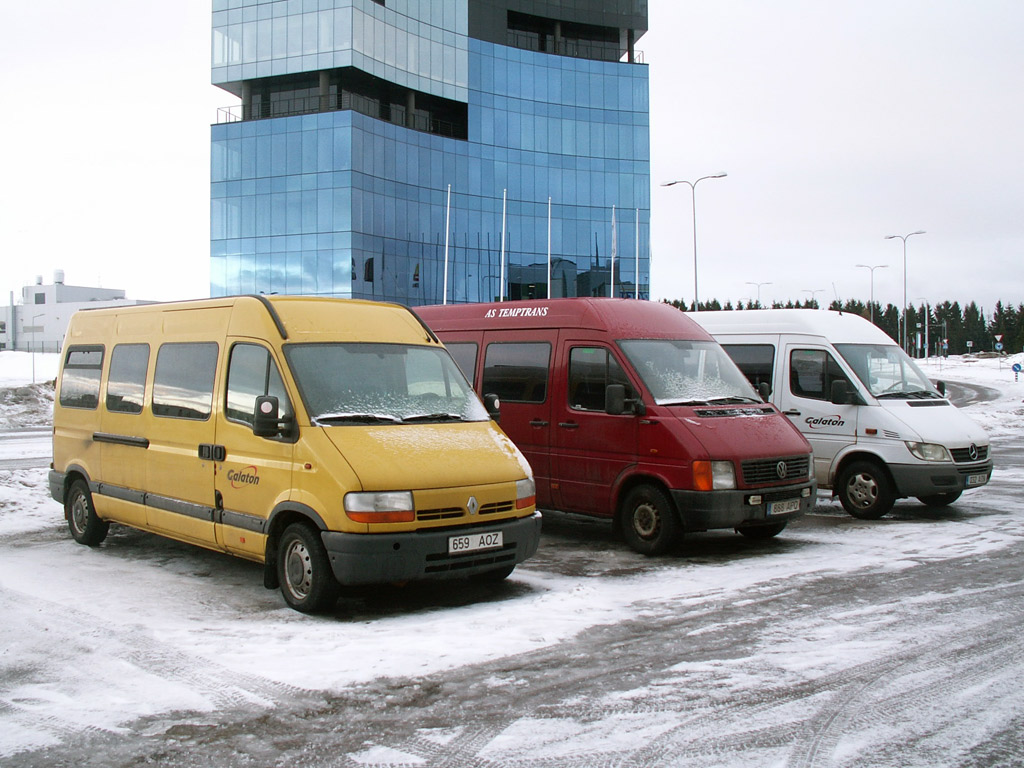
(629,410)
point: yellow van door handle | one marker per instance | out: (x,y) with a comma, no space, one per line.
(211,452)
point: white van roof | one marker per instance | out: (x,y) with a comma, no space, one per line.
(837,327)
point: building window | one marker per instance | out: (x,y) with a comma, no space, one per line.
(40,298)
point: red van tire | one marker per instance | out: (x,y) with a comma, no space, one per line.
(83,522)
(304,570)
(865,490)
(761,532)
(649,521)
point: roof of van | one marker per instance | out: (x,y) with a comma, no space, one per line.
(622,318)
(837,327)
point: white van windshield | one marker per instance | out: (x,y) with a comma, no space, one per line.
(346,383)
(887,371)
(684,372)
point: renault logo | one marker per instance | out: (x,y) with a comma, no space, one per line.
(472,505)
(781,469)
(973,452)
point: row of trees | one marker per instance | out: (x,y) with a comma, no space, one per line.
(945,321)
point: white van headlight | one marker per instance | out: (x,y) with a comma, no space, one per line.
(526,493)
(928,451)
(382,507)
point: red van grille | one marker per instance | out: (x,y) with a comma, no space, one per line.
(779,470)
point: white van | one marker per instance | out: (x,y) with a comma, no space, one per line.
(879,429)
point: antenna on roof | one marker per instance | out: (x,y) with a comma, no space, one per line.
(838,300)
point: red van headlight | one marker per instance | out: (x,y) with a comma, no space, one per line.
(713,476)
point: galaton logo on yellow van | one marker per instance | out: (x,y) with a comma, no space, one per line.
(239,478)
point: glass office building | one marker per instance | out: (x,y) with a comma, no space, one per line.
(423,151)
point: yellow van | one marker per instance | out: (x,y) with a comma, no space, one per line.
(335,441)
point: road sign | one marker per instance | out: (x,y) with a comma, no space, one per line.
(1017,368)
(999,337)
(999,346)
(970,344)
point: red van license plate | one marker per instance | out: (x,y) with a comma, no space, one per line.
(781,507)
(474,542)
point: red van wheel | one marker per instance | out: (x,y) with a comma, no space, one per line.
(649,522)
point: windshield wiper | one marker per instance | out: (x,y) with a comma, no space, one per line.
(731,399)
(433,417)
(355,418)
(686,402)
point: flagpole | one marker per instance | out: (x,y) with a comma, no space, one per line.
(504,208)
(549,246)
(638,253)
(447,221)
(614,247)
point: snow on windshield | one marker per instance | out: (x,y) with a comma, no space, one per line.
(381,382)
(682,371)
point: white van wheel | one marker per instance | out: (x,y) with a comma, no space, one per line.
(83,522)
(304,570)
(649,522)
(865,490)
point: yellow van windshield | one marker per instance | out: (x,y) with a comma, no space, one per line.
(347,383)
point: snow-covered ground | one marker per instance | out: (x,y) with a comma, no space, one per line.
(142,627)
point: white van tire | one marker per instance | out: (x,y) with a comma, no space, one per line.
(304,570)
(649,521)
(85,525)
(940,499)
(865,491)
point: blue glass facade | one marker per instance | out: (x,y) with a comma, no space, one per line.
(336,202)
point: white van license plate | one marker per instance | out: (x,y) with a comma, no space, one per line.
(474,542)
(973,480)
(781,507)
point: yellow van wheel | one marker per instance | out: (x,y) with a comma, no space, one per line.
(83,522)
(304,570)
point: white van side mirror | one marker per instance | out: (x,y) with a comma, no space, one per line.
(841,394)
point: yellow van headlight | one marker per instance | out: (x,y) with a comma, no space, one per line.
(382,507)
(713,476)
(929,451)
(526,493)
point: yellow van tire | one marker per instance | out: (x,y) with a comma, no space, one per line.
(304,570)
(649,521)
(85,525)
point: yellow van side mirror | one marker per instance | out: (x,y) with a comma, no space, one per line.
(267,420)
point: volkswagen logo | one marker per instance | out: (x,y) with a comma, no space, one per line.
(781,470)
(973,452)
(472,505)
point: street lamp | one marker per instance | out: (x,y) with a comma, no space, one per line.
(812,291)
(758,291)
(872,267)
(904,239)
(693,198)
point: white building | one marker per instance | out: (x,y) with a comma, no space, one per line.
(40,320)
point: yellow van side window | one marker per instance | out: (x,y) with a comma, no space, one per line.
(80,380)
(252,373)
(183,382)
(126,381)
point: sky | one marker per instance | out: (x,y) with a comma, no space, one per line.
(837,123)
